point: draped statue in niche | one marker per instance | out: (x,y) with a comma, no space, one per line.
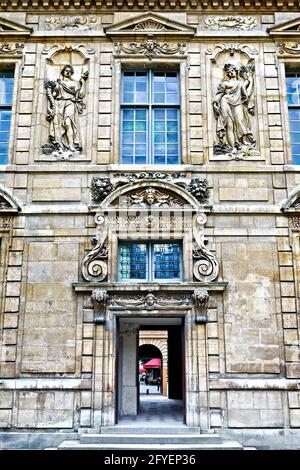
(65,104)
(233,105)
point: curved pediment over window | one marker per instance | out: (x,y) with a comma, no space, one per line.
(8,204)
(150,195)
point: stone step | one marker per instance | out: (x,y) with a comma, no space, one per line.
(224,445)
(134,429)
(150,439)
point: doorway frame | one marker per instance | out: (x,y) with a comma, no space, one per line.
(134,319)
(195,366)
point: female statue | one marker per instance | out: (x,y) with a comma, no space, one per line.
(64,106)
(232,106)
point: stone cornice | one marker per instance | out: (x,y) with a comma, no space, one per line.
(111,287)
(200,5)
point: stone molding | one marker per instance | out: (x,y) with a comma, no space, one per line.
(11,28)
(286,29)
(203,5)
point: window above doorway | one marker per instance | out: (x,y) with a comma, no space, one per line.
(150,261)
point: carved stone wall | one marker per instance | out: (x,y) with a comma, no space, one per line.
(240,231)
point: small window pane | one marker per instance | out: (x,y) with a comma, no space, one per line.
(166,261)
(166,88)
(134,132)
(133,261)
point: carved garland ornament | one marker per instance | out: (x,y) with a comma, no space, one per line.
(243,23)
(293,49)
(150,301)
(10,49)
(150,48)
(72,23)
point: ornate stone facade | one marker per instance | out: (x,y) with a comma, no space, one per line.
(231,204)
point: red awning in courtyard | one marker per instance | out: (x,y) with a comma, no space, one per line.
(153,364)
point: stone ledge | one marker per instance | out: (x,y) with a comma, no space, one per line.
(146,287)
(254,384)
(45,384)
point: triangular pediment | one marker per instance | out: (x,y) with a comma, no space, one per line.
(150,24)
(10,28)
(288,28)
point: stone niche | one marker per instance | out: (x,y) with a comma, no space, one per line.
(233,116)
(57,57)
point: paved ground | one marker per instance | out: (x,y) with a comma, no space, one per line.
(155,409)
(152,389)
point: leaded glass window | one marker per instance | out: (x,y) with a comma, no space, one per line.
(150,261)
(6,95)
(150,117)
(293,95)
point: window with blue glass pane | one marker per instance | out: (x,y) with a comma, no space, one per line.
(293,96)
(150,261)
(150,117)
(166,261)
(133,261)
(6,95)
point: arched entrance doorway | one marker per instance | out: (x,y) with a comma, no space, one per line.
(151,365)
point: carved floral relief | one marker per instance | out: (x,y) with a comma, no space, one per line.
(235,22)
(71,23)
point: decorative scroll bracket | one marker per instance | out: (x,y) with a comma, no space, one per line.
(206,266)
(94,267)
(99,298)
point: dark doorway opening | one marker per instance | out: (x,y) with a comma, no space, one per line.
(154,405)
